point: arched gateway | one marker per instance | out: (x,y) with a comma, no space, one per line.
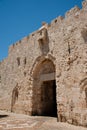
(44,89)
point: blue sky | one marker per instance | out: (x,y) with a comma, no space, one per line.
(18,18)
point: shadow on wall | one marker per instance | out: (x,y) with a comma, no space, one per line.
(3,116)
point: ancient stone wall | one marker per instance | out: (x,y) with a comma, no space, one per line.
(29,68)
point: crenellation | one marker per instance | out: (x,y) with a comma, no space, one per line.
(72,12)
(57,21)
(84,4)
(33,34)
(18,44)
(24,40)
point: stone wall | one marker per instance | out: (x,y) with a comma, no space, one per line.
(62,42)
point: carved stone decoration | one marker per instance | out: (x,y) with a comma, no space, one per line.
(43,40)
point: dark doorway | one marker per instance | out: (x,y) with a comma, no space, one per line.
(44,90)
(48,98)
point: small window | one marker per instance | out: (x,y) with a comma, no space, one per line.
(18,61)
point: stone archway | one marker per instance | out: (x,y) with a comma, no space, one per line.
(44,89)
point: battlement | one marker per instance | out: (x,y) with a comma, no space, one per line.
(72,12)
(58,20)
(84,4)
(3,60)
(19,43)
(41,32)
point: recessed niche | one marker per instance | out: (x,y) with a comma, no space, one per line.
(18,61)
(25,61)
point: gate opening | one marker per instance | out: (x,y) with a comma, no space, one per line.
(44,90)
(48,98)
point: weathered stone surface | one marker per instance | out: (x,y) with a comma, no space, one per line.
(59,48)
(24,122)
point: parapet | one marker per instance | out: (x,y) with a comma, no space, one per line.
(18,43)
(3,60)
(14,46)
(57,20)
(72,12)
(84,4)
(42,33)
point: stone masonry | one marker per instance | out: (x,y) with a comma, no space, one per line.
(45,73)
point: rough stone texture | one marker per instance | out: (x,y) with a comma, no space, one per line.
(24,122)
(58,51)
